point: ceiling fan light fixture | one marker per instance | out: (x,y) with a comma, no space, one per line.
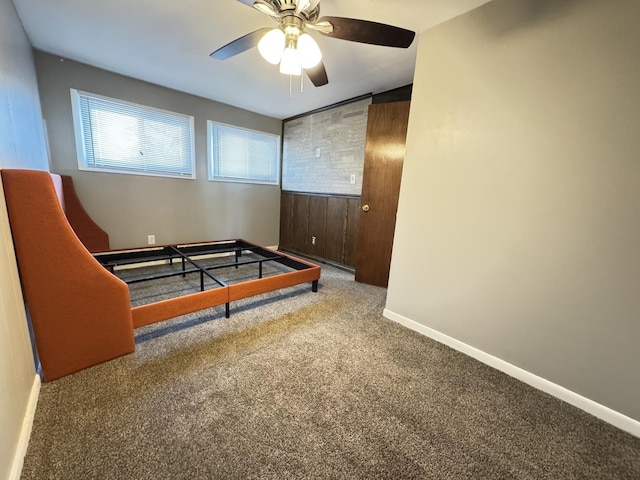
(309,51)
(302,4)
(271,46)
(290,63)
(294,50)
(265,7)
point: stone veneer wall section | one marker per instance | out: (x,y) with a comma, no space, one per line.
(339,135)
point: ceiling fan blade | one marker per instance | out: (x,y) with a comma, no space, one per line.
(322,27)
(239,45)
(248,3)
(364,31)
(318,75)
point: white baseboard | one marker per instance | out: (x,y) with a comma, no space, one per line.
(604,413)
(25,432)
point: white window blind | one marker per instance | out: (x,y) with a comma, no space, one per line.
(117,136)
(241,155)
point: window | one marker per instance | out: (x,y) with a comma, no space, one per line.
(121,137)
(241,155)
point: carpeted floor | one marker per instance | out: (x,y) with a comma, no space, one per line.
(301,385)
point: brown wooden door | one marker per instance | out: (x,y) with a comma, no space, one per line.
(383,159)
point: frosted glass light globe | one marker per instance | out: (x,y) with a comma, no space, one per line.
(290,64)
(271,46)
(310,54)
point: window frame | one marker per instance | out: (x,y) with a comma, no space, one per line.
(79,132)
(210,157)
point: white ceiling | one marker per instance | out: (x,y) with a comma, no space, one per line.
(168,43)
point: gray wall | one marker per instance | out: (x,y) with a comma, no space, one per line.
(340,134)
(130,207)
(518,228)
(21,146)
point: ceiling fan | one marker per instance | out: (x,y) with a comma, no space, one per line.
(295,50)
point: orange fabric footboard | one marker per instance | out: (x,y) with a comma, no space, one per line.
(80,313)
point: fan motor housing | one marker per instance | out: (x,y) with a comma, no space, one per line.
(286,6)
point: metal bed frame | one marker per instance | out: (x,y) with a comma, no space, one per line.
(186,254)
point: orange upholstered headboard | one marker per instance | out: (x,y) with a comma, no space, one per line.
(89,232)
(80,312)
(57,185)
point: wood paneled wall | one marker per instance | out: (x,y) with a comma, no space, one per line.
(321,226)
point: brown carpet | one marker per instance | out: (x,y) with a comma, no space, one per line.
(299,385)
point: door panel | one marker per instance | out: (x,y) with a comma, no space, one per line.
(350,244)
(286,221)
(300,222)
(336,220)
(317,225)
(384,156)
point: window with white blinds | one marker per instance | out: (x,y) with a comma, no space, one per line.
(241,155)
(122,137)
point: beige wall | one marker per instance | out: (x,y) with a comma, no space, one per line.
(21,146)
(518,228)
(130,207)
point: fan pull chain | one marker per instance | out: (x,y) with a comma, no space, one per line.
(291,85)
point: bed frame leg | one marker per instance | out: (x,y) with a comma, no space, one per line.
(314,286)
(227,314)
